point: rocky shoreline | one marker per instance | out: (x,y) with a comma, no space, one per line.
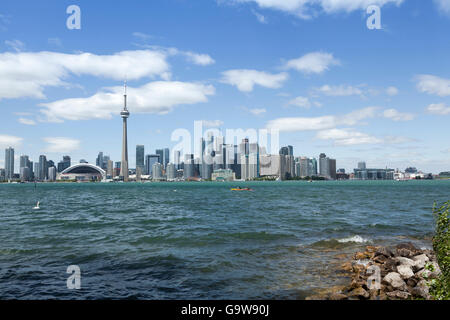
(402,272)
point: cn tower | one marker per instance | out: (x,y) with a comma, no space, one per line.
(124,114)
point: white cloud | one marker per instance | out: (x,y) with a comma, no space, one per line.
(15,45)
(433,85)
(395,115)
(260,17)
(61,145)
(321,123)
(9,141)
(438,108)
(339,91)
(347,137)
(26,121)
(306,9)
(199,59)
(392,91)
(193,57)
(26,74)
(257,111)
(212,123)
(245,79)
(301,102)
(314,62)
(158,97)
(350,137)
(443,6)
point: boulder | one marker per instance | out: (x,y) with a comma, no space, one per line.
(412,282)
(405,253)
(395,280)
(359,292)
(398,295)
(409,246)
(405,271)
(431,271)
(390,264)
(420,262)
(380,259)
(422,290)
(404,261)
(383,251)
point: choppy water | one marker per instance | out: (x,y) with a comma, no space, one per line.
(200,240)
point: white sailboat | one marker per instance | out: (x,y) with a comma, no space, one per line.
(37,206)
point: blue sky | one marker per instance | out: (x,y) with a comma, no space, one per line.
(313,71)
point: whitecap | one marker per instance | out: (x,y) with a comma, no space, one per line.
(357,239)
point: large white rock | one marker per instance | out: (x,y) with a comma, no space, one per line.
(420,261)
(405,261)
(395,280)
(405,271)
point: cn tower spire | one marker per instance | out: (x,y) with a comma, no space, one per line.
(124,114)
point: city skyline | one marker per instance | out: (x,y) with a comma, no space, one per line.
(327,82)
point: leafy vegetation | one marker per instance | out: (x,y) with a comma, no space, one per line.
(440,288)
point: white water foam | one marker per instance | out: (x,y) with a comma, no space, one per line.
(357,239)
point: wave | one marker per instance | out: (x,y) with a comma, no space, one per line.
(356,239)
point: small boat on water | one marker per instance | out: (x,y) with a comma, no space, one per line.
(37,206)
(241,189)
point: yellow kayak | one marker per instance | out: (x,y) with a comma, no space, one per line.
(241,189)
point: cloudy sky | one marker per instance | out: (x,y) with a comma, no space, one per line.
(309,68)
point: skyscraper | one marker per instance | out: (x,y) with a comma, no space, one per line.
(160,153)
(150,160)
(9,163)
(43,168)
(99,160)
(124,114)
(166,159)
(140,159)
(64,164)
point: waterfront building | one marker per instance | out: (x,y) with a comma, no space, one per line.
(362,165)
(314,167)
(43,168)
(125,114)
(51,173)
(117,166)
(157,169)
(26,168)
(2,175)
(9,163)
(189,167)
(36,175)
(170,172)
(374,174)
(273,166)
(177,159)
(140,158)
(83,172)
(223,175)
(25,174)
(150,160)
(327,167)
(110,170)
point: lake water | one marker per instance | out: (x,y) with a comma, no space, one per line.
(200,240)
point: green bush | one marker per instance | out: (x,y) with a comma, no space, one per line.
(440,288)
